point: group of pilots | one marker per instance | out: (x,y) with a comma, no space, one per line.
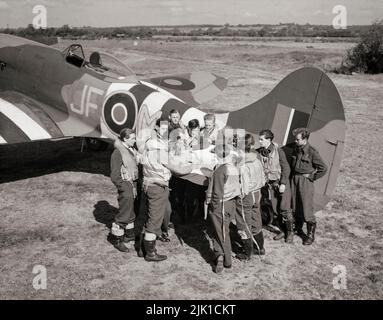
(152,188)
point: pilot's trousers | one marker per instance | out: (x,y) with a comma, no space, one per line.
(248,215)
(281,202)
(220,219)
(157,202)
(126,204)
(303,199)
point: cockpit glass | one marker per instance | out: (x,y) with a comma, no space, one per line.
(77,50)
(110,66)
(74,55)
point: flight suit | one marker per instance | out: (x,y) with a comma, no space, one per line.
(307,166)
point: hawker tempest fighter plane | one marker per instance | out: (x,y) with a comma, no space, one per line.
(46,93)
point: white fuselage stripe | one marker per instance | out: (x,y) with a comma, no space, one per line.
(29,126)
(155,101)
(2,141)
(118,87)
(291,116)
(160,90)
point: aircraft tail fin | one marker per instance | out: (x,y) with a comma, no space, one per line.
(305,98)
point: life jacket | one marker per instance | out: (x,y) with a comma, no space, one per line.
(154,171)
(129,173)
(271,164)
(251,172)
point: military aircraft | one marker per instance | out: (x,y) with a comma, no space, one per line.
(46,93)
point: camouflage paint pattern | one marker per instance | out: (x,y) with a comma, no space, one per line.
(39,88)
(42,96)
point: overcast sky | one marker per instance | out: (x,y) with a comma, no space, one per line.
(106,13)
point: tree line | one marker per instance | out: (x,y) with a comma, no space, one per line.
(366,56)
(147,32)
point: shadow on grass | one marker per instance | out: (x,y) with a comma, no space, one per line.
(34,159)
(194,234)
(104,213)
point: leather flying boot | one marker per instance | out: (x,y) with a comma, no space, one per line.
(129,235)
(116,237)
(248,250)
(151,252)
(139,245)
(311,226)
(260,241)
(118,242)
(290,231)
(298,229)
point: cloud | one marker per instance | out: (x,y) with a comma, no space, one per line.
(4,5)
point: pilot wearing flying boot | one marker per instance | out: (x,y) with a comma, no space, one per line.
(277,172)
(125,179)
(307,166)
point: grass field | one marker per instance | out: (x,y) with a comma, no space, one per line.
(56,207)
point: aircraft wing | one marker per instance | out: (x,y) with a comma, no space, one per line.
(193,88)
(23,119)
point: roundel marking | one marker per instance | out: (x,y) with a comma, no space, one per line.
(120,111)
(176,83)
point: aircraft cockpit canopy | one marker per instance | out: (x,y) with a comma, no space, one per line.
(74,54)
(100,62)
(110,66)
